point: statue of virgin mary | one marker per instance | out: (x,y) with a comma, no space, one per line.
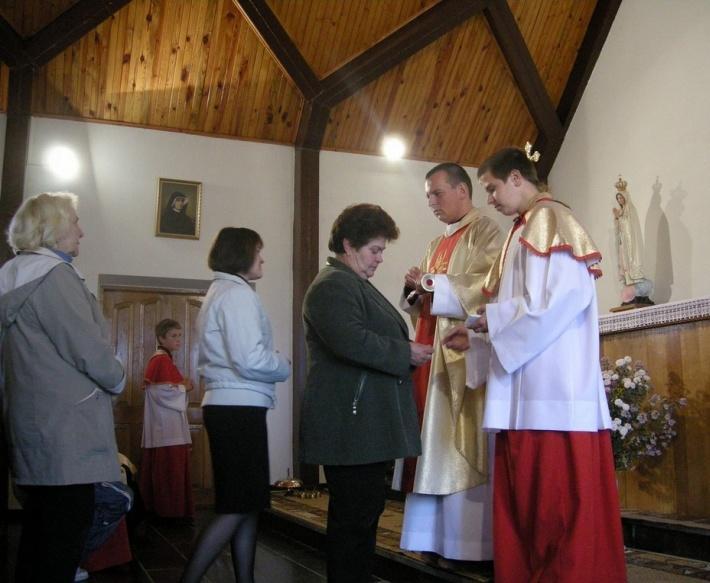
(636,288)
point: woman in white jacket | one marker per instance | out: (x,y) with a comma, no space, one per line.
(240,367)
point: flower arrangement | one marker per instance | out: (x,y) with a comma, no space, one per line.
(643,425)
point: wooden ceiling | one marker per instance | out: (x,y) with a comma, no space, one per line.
(456,79)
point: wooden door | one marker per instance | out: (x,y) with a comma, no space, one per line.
(132,315)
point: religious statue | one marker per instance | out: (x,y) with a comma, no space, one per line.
(636,288)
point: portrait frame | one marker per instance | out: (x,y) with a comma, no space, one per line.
(176,219)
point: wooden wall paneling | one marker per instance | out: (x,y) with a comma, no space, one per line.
(207,63)
(227,117)
(222,55)
(553,32)
(214,41)
(29,16)
(512,44)
(4,81)
(142,60)
(405,42)
(678,484)
(69,27)
(126,34)
(587,55)
(280,45)
(330,33)
(693,380)
(114,63)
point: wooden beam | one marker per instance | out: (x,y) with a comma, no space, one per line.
(311,127)
(69,27)
(12,48)
(516,53)
(17,139)
(277,40)
(396,48)
(305,268)
(587,55)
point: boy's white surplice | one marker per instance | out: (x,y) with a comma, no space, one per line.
(544,332)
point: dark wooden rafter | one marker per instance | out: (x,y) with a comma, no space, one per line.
(17,135)
(69,27)
(12,48)
(407,40)
(587,55)
(527,77)
(277,40)
(305,267)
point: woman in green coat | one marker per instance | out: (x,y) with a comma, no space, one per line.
(358,411)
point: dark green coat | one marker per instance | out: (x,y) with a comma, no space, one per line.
(358,406)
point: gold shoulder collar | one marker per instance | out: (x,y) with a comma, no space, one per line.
(548,226)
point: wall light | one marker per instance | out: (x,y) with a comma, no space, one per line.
(63,162)
(393,148)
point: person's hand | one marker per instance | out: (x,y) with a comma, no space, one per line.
(481,325)
(419,353)
(457,338)
(188,385)
(413,279)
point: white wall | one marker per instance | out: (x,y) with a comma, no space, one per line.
(244,184)
(644,114)
(398,187)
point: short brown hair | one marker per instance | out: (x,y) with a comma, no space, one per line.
(234,250)
(164,326)
(455,175)
(359,224)
(504,161)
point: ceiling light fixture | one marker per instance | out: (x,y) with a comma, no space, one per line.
(63,162)
(393,148)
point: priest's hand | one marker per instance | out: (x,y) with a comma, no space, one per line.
(419,353)
(457,338)
(413,280)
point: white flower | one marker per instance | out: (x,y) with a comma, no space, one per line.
(620,362)
(619,403)
(627,359)
(682,401)
(615,377)
(640,372)
(642,418)
(624,429)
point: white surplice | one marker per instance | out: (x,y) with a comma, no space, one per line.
(544,331)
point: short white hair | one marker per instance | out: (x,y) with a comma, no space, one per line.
(41,220)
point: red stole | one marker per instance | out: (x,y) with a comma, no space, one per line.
(424,334)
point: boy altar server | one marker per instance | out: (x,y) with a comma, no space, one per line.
(556,511)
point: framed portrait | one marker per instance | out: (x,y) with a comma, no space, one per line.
(178,208)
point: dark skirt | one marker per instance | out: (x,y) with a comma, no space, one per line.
(240,457)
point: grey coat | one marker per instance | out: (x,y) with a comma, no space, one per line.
(358,406)
(58,373)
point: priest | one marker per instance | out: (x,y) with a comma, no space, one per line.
(448,504)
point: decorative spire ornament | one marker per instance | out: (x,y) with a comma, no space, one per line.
(532,156)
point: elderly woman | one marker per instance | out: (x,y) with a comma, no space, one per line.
(358,412)
(240,368)
(58,374)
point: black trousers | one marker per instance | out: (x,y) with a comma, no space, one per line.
(357,499)
(55,522)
